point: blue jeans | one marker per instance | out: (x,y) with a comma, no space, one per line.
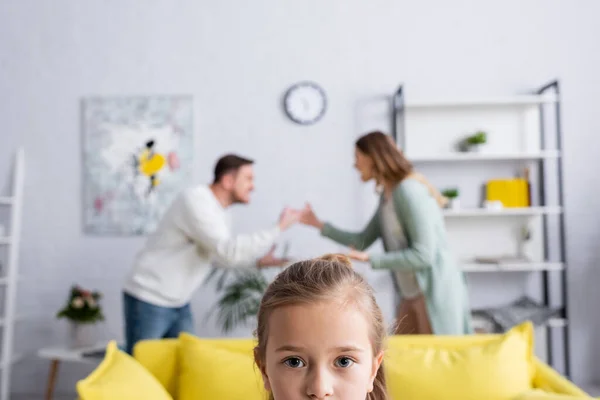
(147,321)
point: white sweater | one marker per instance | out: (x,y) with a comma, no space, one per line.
(194,234)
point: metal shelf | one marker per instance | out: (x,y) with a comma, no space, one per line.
(518,100)
(546,99)
(481,157)
(513,267)
(513,211)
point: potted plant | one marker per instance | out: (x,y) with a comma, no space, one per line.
(453,198)
(474,142)
(239,300)
(82,309)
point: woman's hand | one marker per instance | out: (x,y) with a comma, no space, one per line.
(271,260)
(308,217)
(358,255)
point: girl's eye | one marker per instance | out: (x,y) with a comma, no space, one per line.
(344,362)
(294,362)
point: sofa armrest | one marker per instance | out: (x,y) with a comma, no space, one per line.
(549,380)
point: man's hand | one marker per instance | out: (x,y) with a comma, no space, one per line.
(308,217)
(270,260)
(288,218)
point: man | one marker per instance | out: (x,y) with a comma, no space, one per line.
(194,234)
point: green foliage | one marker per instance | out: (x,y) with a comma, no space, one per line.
(478,138)
(82,306)
(240,297)
(450,193)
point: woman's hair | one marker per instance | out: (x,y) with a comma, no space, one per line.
(327,278)
(391,165)
(389,162)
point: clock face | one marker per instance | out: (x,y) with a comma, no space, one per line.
(305,103)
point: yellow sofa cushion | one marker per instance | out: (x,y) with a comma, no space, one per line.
(161,359)
(218,369)
(447,367)
(119,376)
(550,381)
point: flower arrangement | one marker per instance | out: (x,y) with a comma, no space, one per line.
(82,307)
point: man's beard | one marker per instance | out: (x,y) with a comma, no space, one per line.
(235,199)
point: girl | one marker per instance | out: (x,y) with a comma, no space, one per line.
(432,289)
(320,334)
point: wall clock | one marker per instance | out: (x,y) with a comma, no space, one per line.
(305,103)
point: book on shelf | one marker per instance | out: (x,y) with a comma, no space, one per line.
(513,192)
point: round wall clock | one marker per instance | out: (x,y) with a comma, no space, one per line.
(305,103)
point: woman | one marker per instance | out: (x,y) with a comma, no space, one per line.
(409,220)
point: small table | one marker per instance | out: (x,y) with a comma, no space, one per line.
(58,354)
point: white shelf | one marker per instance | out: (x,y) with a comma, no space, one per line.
(512,211)
(4,240)
(519,100)
(460,157)
(510,267)
(5,201)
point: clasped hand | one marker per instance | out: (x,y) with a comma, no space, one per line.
(305,216)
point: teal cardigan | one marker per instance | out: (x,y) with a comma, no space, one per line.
(427,254)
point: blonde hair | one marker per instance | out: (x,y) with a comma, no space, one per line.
(330,277)
(390,164)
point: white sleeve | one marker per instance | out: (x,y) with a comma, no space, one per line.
(210,231)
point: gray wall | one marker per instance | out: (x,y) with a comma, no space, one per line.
(236,58)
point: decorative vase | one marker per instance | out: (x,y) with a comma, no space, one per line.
(80,335)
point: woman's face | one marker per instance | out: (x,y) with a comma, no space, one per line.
(364,164)
(319,351)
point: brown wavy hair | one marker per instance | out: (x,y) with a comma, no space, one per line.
(330,277)
(389,162)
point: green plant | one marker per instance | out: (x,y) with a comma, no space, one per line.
(82,306)
(240,297)
(479,137)
(450,193)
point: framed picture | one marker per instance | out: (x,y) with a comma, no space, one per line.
(137,156)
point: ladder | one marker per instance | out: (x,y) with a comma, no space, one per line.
(9,277)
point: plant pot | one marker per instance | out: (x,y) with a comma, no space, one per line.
(474,148)
(454,203)
(80,335)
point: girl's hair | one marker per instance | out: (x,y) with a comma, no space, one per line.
(327,278)
(389,162)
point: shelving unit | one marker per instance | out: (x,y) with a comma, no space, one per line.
(10,278)
(518,130)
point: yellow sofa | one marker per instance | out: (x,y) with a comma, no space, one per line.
(420,367)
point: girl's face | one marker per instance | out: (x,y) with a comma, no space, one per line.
(319,351)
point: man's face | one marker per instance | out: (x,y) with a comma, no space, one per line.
(242,184)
